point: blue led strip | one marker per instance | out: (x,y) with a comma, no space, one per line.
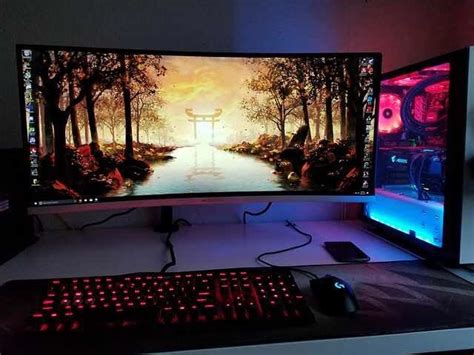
(419,219)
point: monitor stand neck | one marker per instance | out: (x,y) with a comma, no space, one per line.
(166,221)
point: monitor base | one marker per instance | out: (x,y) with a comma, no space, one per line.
(166,224)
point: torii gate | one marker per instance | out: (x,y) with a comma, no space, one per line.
(208,117)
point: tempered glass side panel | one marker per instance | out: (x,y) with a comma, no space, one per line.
(411,159)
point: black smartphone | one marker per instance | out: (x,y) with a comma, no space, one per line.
(346,252)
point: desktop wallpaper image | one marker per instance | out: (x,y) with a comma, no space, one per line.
(107,124)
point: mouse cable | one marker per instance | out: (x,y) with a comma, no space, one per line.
(310,239)
(256,213)
(64,222)
(170,246)
(106,219)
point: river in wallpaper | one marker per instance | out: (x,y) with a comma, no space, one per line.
(204,168)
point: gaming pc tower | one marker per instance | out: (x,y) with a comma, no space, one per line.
(425,150)
(15,225)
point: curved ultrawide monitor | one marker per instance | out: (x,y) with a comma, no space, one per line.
(108,127)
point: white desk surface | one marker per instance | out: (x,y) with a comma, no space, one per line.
(125,250)
(199,247)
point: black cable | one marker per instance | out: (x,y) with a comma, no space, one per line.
(106,219)
(256,213)
(170,245)
(39,223)
(422,194)
(310,239)
(183,221)
(418,127)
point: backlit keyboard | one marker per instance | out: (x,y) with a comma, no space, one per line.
(260,296)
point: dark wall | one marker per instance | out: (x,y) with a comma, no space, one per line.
(193,25)
(405,31)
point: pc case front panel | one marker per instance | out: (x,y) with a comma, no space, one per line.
(467,226)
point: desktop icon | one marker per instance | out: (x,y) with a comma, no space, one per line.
(26,53)
(27,75)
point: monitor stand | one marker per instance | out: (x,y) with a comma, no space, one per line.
(166,221)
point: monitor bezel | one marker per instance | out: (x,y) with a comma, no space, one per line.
(198,198)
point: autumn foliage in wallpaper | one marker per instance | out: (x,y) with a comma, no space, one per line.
(121,124)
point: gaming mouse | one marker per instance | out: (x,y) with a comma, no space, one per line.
(334,296)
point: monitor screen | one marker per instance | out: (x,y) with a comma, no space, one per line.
(105,125)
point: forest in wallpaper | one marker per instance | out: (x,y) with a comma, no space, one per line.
(123,124)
